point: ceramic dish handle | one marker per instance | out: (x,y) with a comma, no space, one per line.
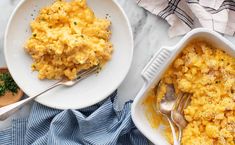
(156,63)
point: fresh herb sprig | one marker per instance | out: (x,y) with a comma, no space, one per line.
(2,90)
(7,84)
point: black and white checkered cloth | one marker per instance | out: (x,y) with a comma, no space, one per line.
(184,15)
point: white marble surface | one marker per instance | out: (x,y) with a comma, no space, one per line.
(150,33)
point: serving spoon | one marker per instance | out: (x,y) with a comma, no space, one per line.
(166,106)
(8,110)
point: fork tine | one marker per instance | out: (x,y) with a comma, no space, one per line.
(87,72)
(179,108)
(178,100)
(187,101)
(183,103)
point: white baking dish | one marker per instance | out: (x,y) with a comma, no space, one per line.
(156,68)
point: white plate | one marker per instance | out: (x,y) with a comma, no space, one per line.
(85,93)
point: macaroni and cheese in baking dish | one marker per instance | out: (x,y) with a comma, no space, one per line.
(66,38)
(208,74)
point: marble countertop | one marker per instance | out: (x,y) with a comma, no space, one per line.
(150,33)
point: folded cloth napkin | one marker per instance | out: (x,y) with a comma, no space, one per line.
(101,124)
(183,15)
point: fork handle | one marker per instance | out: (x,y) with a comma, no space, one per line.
(8,110)
(176,142)
(180,134)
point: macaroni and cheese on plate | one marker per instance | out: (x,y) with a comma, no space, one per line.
(66,38)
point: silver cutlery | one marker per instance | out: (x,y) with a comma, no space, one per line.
(166,106)
(7,111)
(177,116)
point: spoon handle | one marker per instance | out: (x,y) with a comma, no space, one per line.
(8,110)
(173,131)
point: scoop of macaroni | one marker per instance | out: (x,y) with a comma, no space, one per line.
(208,75)
(66,38)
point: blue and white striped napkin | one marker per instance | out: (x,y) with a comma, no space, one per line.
(101,124)
(184,15)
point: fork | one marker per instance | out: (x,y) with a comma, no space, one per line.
(177,116)
(7,111)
